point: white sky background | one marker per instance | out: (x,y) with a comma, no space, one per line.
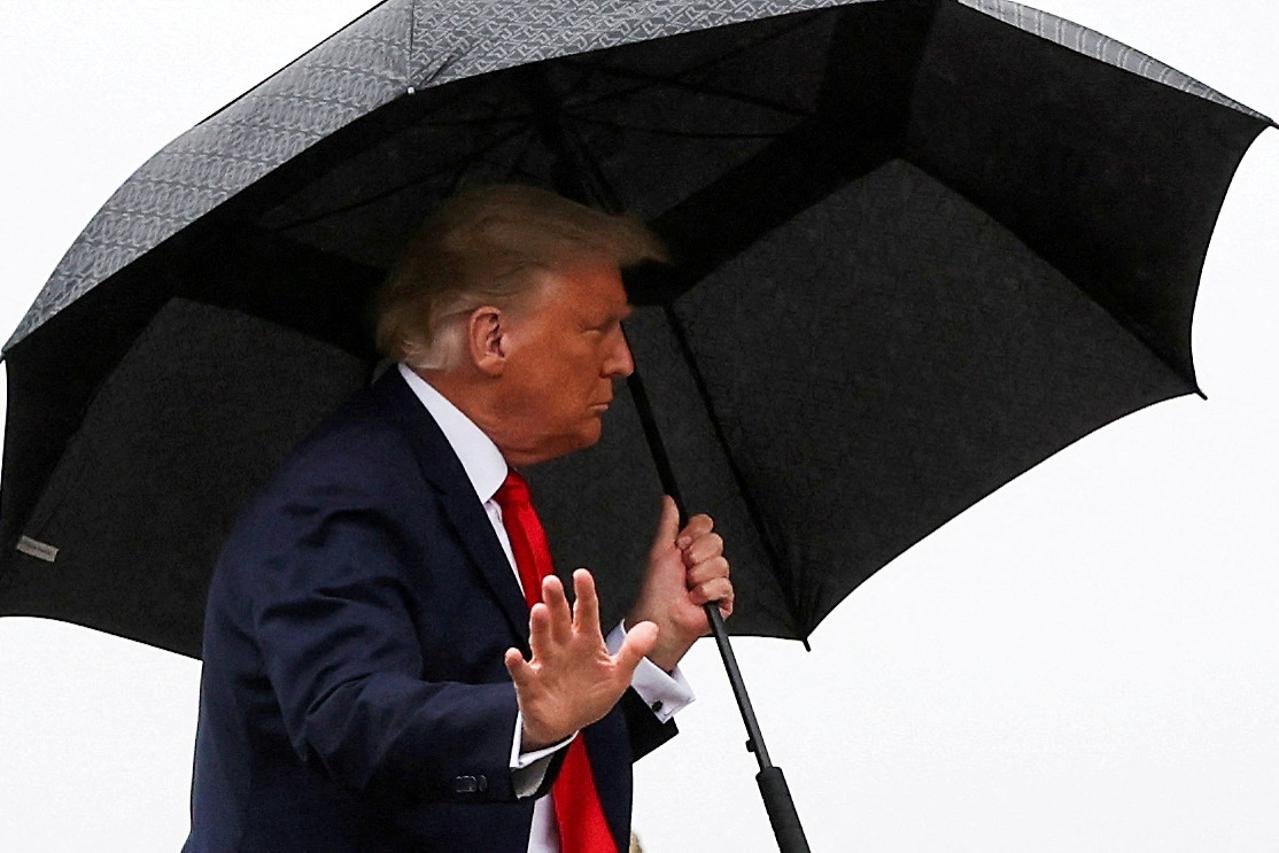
(1086,660)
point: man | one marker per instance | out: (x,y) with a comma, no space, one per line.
(365,682)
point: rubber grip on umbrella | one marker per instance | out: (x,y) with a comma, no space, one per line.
(781,811)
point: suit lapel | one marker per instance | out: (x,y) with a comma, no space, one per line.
(441,467)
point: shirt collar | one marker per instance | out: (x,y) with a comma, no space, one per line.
(484,464)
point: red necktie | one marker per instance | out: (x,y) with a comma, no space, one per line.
(577,804)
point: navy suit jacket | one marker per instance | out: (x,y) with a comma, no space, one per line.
(353,695)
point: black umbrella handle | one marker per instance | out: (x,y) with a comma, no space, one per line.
(781,811)
(772,783)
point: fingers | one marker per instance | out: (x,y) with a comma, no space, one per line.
(706,568)
(709,547)
(719,589)
(639,642)
(561,618)
(516,666)
(586,609)
(725,607)
(698,525)
(539,630)
(667,524)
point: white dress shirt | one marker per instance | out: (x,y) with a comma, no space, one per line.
(486,468)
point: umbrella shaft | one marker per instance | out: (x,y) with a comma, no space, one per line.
(755,738)
(666,473)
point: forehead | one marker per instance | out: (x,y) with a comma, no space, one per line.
(589,288)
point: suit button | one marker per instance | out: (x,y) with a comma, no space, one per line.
(466,784)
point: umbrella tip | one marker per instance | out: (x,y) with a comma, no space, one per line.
(1200,392)
(807,647)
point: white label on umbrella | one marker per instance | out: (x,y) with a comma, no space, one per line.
(39,550)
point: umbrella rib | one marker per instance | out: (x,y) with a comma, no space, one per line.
(667,131)
(651,80)
(461,163)
(699,88)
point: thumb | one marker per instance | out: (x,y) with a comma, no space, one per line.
(639,641)
(667,525)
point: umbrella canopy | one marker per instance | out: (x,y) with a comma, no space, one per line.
(923,246)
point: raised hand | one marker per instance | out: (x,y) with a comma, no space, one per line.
(571,680)
(686,569)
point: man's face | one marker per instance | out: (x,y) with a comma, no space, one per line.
(565,348)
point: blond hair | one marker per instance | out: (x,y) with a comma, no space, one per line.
(490,246)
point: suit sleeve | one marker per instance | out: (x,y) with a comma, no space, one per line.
(645,730)
(339,646)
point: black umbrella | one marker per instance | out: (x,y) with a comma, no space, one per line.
(960,243)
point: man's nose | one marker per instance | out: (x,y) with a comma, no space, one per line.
(620,363)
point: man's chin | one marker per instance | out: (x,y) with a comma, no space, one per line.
(588,436)
(593,431)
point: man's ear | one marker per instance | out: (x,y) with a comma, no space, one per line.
(485,342)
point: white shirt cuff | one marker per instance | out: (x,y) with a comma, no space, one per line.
(666,694)
(528,769)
